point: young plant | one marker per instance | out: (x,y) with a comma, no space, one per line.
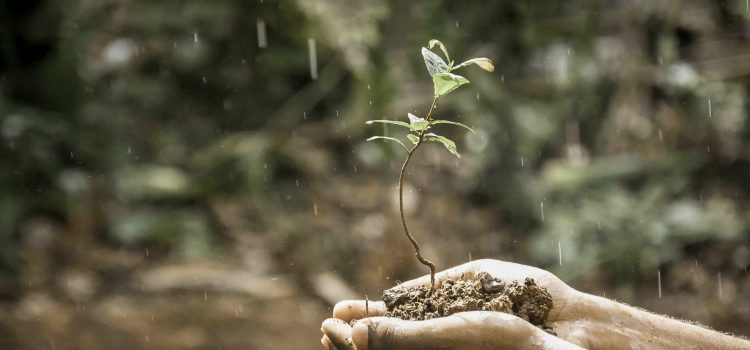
(444,83)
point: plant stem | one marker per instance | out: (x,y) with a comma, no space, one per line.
(401,176)
(432,107)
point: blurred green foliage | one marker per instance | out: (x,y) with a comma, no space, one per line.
(147,116)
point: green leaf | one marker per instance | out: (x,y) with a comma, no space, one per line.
(394,122)
(434,42)
(448,143)
(447,82)
(452,123)
(482,62)
(413,138)
(434,63)
(417,123)
(389,139)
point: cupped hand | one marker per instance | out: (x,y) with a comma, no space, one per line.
(466,330)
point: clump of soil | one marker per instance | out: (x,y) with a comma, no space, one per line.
(526,299)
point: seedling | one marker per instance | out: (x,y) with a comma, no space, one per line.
(418,133)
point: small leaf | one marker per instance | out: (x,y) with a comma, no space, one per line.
(434,42)
(447,82)
(453,123)
(434,63)
(417,123)
(448,143)
(482,62)
(394,122)
(413,138)
(389,139)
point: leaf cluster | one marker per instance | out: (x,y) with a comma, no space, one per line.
(444,82)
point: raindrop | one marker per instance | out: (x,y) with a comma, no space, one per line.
(262,39)
(709,108)
(313,58)
(204,80)
(658,281)
(304,115)
(719,278)
(559,251)
(708,149)
(541,205)
(195,37)
(205,296)
(297,181)
(315,209)
(521,162)
(477,96)
(456,24)
(661,136)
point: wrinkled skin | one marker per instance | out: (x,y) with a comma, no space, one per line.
(580,321)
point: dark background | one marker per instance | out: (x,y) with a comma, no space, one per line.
(173,178)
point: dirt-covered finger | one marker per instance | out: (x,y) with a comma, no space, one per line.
(463,271)
(349,310)
(339,333)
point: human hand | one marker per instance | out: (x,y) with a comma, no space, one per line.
(466,330)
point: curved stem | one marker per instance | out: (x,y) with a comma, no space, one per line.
(401,176)
(417,250)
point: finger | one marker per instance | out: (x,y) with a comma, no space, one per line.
(349,310)
(468,330)
(339,333)
(326,342)
(384,333)
(463,271)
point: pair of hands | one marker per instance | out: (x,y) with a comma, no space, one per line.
(465,330)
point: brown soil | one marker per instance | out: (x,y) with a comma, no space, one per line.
(526,299)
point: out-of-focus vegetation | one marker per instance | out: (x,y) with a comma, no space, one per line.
(174,170)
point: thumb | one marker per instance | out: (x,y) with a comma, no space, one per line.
(384,333)
(465,330)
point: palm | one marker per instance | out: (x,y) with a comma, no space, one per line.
(510,326)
